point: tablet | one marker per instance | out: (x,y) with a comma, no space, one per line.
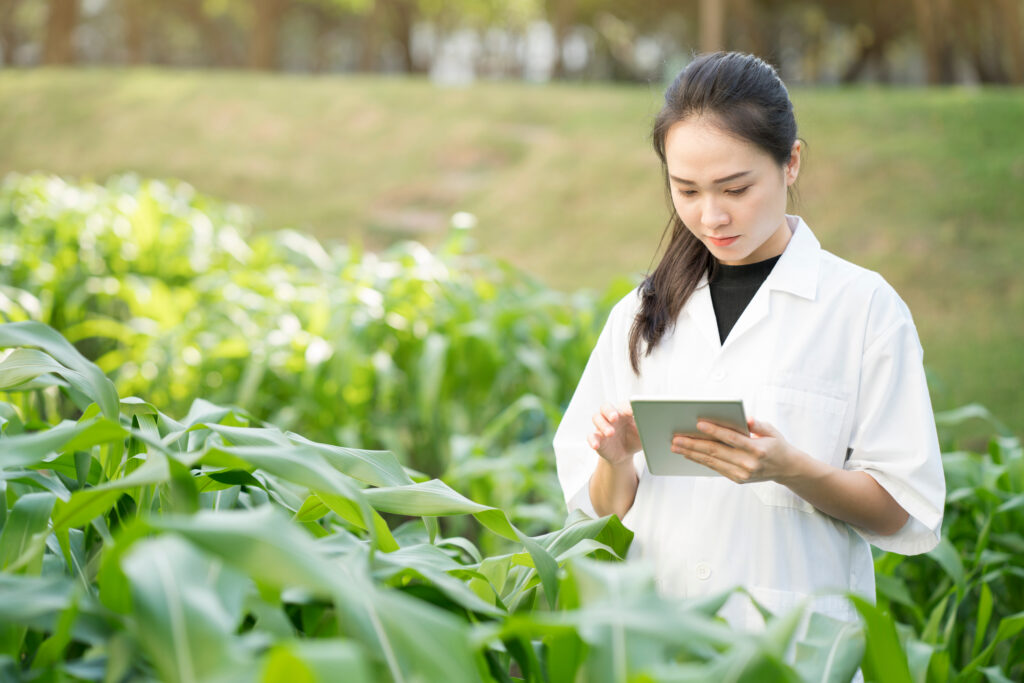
(659,418)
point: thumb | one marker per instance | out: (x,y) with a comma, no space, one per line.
(762,428)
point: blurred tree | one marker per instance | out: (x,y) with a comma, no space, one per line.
(876,24)
(267,16)
(991,38)
(935,29)
(134,20)
(213,20)
(1010,21)
(712,25)
(58,47)
(620,25)
(10,36)
(398,17)
(327,19)
(563,15)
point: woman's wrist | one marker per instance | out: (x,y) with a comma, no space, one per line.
(620,466)
(798,469)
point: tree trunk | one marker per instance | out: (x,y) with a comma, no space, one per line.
(58,47)
(753,27)
(983,40)
(873,45)
(712,25)
(263,43)
(134,30)
(402,14)
(561,15)
(933,24)
(8,31)
(216,44)
(1009,19)
(325,23)
(370,35)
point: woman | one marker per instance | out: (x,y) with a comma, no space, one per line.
(824,354)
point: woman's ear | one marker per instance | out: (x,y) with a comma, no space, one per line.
(792,168)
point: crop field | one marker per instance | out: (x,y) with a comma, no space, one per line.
(230,454)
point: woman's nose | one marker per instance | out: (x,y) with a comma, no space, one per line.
(712,214)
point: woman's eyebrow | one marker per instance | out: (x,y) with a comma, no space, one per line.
(726,179)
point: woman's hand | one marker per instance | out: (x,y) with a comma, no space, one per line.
(851,496)
(615,437)
(765,455)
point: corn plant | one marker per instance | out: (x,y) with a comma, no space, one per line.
(965,599)
(446,358)
(137,547)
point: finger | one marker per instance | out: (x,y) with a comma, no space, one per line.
(626,408)
(603,426)
(762,428)
(594,441)
(737,458)
(609,412)
(724,434)
(723,467)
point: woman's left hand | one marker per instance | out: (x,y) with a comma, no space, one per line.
(765,455)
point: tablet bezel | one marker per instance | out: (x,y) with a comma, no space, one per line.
(658,418)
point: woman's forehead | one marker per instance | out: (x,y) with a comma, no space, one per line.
(696,149)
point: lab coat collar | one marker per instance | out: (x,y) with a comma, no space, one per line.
(795,272)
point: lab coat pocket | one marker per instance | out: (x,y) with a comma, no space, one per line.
(783,602)
(810,421)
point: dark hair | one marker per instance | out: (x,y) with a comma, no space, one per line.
(745,97)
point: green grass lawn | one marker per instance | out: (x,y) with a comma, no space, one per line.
(922,185)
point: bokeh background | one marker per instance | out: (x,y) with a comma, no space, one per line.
(374,121)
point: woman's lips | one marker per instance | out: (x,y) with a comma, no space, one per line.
(724,242)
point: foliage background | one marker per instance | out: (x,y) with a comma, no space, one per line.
(917,184)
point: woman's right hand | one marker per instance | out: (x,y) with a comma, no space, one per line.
(615,437)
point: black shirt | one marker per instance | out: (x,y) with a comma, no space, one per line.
(733,287)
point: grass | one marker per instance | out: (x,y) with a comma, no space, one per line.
(919,184)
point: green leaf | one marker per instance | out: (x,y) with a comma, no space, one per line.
(407,635)
(29,517)
(79,372)
(949,558)
(831,651)
(304,466)
(884,659)
(314,661)
(186,609)
(24,450)
(87,504)
(1008,628)
(984,614)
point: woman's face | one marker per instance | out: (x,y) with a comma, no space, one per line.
(729,192)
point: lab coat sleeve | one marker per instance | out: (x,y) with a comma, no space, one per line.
(894,437)
(602,382)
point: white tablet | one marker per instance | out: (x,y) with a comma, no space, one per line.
(659,418)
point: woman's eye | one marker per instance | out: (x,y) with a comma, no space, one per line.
(688,193)
(738,191)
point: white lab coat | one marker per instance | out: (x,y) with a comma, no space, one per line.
(827,352)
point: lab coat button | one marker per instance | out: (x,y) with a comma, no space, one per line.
(718,375)
(703,571)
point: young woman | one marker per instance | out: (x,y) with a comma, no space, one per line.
(824,354)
